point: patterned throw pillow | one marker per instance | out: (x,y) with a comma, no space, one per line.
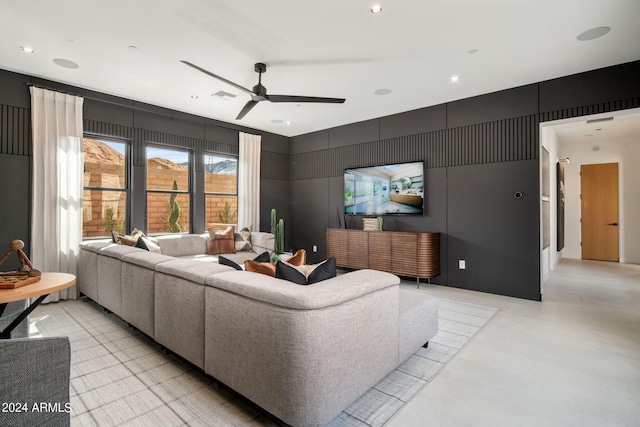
(123,239)
(243,240)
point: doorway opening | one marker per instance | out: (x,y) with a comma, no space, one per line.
(597,139)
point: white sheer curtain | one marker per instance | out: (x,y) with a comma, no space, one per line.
(249,181)
(56,221)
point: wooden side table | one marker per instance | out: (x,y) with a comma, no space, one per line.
(49,283)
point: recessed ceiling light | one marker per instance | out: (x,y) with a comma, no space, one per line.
(593,33)
(194,96)
(287,122)
(27,49)
(382,92)
(65,63)
(376,8)
(454,79)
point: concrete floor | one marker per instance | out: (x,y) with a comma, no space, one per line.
(571,360)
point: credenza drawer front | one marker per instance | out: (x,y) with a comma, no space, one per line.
(357,244)
(337,246)
(403,249)
(429,254)
(380,251)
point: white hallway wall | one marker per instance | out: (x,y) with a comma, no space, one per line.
(595,149)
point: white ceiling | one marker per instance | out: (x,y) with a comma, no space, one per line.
(334,48)
(597,128)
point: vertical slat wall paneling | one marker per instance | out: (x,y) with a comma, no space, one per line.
(138,152)
(107,129)
(274,166)
(606,107)
(500,141)
(15,130)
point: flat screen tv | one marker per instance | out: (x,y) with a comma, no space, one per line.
(393,189)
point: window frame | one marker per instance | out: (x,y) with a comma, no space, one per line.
(219,193)
(127,177)
(190,191)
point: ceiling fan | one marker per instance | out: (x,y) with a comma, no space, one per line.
(259,92)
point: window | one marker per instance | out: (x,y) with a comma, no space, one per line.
(221,190)
(104,201)
(168,190)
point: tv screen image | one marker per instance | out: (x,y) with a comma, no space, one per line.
(393,189)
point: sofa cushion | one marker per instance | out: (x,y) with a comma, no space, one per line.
(193,271)
(178,245)
(222,242)
(117,251)
(146,259)
(243,240)
(306,274)
(95,245)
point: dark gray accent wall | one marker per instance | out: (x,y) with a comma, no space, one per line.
(495,233)
(15,215)
(477,153)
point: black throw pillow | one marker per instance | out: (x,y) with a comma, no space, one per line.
(263,257)
(324,270)
(226,261)
(306,274)
(288,272)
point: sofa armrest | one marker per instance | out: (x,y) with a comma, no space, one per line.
(36,371)
(262,241)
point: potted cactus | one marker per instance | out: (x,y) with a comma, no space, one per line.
(277,229)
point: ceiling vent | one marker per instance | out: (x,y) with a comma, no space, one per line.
(605,119)
(224,95)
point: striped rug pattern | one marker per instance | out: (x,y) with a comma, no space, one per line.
(121,377)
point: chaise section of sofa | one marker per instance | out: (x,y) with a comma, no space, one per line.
(418,321)
(303,353)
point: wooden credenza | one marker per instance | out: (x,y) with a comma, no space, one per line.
(405,253)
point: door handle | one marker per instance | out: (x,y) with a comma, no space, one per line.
(614,224)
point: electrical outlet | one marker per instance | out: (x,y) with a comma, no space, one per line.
(315,248)
(462,264)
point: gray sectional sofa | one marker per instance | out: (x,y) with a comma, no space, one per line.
(302,353)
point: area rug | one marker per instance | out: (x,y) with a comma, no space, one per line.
(457,324)
(119,376)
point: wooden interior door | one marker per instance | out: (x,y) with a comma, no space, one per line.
(599,211)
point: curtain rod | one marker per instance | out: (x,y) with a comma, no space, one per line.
(119,104)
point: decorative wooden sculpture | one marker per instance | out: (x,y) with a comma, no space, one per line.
(24,275)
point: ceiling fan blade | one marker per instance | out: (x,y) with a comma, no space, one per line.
(294,98)
(215,76)
(247,107)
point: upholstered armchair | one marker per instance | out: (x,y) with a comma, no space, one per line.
(34,382)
